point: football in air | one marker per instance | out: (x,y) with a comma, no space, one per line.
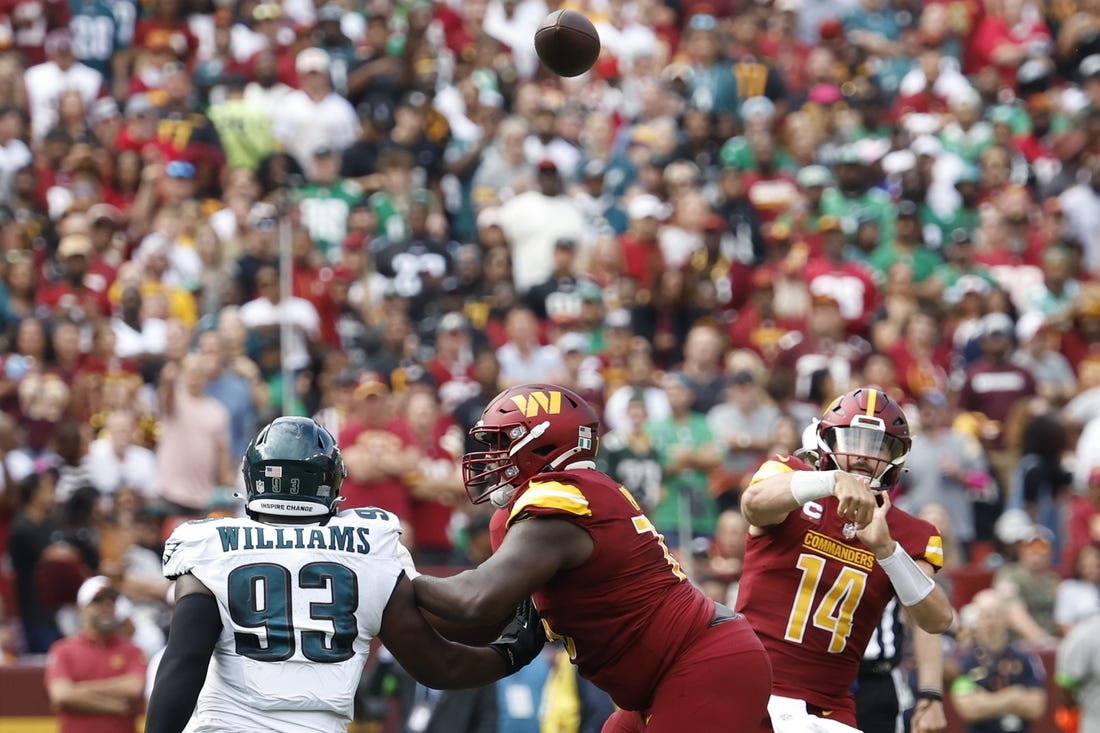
(567,43)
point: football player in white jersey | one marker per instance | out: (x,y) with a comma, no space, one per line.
(281,606)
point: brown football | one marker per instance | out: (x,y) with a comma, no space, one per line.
(567,43)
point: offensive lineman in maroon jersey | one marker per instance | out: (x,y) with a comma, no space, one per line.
(601,577)
(825,554)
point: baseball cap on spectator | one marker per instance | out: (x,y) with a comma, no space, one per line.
(180,169)
(370,384)
(330,13)
(547,166)
(323,151)
(565,243)
(261,213)
(1029,326)
(1038,538)
(103,109)
(104,212)
(267,11)
(59,40)
(926,145)
(594,168)
(1014,525)
(618,319)
(488,217)
(1089,67)
(997,324)
(830,29)
(647,206)
(453,322)
(825,94)
(139,105)
(848,155)
(1001,114)
(93,589)
(898,161)
(932,397)
(311,60)
(968,174)
(921,124)
(74,245)
(757,108)
(813,176)
(572,342)
(490,98)
(907,208)
(589,292)
(829,223)
(1033,75)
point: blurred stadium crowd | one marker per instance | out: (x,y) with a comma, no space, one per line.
(744,209)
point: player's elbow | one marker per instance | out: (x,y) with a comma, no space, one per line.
(754,506)
(937,619)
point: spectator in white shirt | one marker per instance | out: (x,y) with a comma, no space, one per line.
(535,220)
(14,153)
(115,463)
(315,116)
(522,358)
(270,310)
(45,82)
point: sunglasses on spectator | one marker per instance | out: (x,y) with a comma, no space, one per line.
(703,22)
(265,225)
(180,169)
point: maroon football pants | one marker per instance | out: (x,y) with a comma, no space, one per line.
(720,683)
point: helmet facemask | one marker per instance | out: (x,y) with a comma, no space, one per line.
(491,473)
(867,448)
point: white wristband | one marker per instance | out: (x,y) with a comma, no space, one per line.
(809,485)
(909,581)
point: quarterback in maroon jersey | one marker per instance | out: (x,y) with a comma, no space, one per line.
(601,576)
(827,552)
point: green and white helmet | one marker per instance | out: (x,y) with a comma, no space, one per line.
(293,468)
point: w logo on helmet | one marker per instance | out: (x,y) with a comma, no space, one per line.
(538,402)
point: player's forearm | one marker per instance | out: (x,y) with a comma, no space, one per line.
(928,653)
(461,598)
(768,501)
(458,667)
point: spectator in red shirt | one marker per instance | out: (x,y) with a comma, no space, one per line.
(1005,38)
(96,678)
(436,483)
(71,295)
(642,258)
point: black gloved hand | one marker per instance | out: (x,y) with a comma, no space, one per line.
(522,639)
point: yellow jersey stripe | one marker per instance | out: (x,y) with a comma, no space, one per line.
(933,553)
(771,468)
(552,495)
(872,400)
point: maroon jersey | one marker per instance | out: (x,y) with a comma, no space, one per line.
(627,613)
(814,593)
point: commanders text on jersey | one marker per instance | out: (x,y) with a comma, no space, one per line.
(344,539)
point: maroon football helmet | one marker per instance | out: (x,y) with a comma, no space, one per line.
(865,425)
(529,429)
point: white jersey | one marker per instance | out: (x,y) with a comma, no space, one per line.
(299,606)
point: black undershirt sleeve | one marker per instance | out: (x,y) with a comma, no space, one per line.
(196,625)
